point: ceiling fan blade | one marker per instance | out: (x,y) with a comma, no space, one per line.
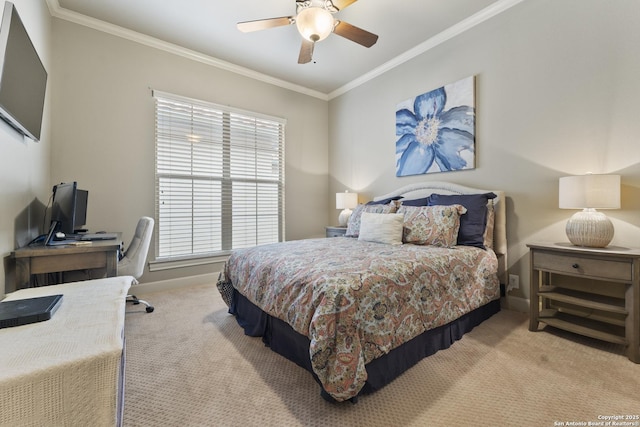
(355,34)
(263,24)
(306,52)
(341,4)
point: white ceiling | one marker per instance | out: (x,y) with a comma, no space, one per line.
(206,30)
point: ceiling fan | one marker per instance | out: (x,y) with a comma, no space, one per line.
(315,21)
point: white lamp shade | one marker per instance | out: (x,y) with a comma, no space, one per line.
(346,200)
(315,23)
(589,191)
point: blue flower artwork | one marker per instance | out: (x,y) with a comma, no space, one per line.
(436,130)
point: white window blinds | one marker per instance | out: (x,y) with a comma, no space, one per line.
(219,178)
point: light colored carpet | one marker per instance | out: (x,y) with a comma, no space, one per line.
(189,364)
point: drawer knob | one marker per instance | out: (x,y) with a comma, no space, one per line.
(575,266)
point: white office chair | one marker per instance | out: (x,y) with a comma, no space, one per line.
(135,257)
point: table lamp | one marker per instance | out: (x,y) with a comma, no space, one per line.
(590,192)
(345,201)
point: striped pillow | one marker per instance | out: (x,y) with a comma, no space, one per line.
(381,228)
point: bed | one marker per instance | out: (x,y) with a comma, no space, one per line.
(358,311)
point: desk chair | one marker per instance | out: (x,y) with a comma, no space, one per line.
(135,257)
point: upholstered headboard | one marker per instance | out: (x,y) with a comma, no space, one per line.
(424,189)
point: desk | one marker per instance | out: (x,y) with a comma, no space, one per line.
(67,371)
(52,259)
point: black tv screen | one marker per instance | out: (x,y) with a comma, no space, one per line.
(23,78)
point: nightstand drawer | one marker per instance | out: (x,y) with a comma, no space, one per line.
(335,231)
(583,266)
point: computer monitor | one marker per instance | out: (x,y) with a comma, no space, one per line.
(63,209)
(69,208)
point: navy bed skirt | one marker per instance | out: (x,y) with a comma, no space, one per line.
(282,339)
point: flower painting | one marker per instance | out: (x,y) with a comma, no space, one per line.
(436,130)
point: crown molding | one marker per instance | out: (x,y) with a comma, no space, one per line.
(451,32)
(485,14)
(58,12)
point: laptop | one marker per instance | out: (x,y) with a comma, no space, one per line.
(29,310)
(97,236)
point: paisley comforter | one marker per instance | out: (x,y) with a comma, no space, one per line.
(358,300)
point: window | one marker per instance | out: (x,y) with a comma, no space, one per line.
(219,178)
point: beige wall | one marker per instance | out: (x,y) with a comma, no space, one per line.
(24,164)
(557,93)
(103,129)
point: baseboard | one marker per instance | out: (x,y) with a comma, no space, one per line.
(517,304)
(180,282)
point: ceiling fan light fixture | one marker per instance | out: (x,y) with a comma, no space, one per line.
(315,23)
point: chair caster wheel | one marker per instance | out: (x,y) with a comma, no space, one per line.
(149,309)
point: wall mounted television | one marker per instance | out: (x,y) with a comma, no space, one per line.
(23,78)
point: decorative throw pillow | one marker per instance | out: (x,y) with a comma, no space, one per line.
(488,231)
(474,222)
(381,228)
(416,202)
(353,227)
(432,225)
(384,201)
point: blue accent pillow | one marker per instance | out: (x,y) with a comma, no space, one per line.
(384,201)
(474,222)
(416,202)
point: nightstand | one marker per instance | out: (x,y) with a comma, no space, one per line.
(335,231)
(589,291)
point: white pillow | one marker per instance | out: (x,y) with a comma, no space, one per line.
(381,228)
